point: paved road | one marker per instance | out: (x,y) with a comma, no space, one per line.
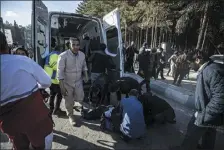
(89,135)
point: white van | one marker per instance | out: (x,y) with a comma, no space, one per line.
(61,26)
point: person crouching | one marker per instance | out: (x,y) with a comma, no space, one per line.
(133,123)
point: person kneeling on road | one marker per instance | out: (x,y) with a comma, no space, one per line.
(156,110)
(133,123)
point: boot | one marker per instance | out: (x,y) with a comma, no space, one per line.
(59,112)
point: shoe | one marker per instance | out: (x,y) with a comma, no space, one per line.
(72,120)
(59,112)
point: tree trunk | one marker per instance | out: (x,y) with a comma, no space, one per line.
(125,32)
(202,28)
(146,34)
(152,38)
(205,34)
(155,35)
(160,35)
(140,37)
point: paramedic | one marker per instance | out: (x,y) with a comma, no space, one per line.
(71,65)
(21,79)
(133,123)
(51,69)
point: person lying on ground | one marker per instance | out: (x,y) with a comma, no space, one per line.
(133,124)
(124,86)
(156,110)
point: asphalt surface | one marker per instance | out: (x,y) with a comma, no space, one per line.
(90,136)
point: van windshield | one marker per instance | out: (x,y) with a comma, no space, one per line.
(65,26)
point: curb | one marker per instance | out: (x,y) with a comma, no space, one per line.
(170,92)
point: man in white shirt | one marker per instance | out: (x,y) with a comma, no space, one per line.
(71,65)
(22,110)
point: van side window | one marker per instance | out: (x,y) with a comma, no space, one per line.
(112,40)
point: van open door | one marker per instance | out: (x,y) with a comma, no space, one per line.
(40,31)
(113,38)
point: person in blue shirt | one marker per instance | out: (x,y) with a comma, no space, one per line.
(133,123)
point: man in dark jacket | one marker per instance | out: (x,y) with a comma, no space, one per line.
(144,67)
(209,103)
(182,67)
(130,53)
(162,63)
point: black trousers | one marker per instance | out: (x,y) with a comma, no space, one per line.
(129,66)
(55,91)
(160,70)
(195,133)
(179,75)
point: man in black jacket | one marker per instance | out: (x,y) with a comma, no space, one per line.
(144,67)
(130,53)
(209,103)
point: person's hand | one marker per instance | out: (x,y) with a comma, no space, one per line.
(64,91)
(86,79)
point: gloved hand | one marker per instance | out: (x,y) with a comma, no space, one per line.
(64,91)
(86,78)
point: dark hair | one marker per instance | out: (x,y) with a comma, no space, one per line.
(74,39)
(134,92)
(22,49)
(3,45)
(102,46)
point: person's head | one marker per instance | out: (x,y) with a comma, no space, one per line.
(160,50)
(103,47)
(134,92)
(75,44)
(21,51)
(4,49)
(145,45)
(153,50)
(199,59)
(176,52)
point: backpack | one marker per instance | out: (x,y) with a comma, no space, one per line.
(110,123)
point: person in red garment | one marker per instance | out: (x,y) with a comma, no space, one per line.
(23,114)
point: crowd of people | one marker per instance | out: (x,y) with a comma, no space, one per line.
(23,104)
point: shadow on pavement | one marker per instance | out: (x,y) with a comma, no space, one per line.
(73,142)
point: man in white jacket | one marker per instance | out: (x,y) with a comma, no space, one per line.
(71,66)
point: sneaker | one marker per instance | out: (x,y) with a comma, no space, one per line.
(59,112)
(72,120)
